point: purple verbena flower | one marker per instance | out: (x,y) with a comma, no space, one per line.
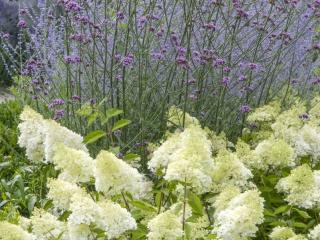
(226,81)
(22,24)
(245,108)
(71,59)
(58,114)
(56,102)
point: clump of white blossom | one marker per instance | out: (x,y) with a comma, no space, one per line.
(41,137)
(228,170)
(10,231)
(188,161)
(114,176)
(61,192)
(168,224)
(314,234)
(55,134)
(239,218)
(301,187)
(266,113)
(46,226)
(76,165)
(31,134)
(176,117)
(274,153)
(281,233)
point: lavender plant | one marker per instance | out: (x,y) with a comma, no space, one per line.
(215,59)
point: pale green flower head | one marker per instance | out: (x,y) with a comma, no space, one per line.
(175,118)
(61,192)
(186,156)
(166,225)
(76,165)
(289,121)
(222,200)
(298,237)
(267,113)
(10,231)
(218,142)
(281,233)
(247,155)
(274,153)
(301,187)
(228,170)
(115,176)
(44,225)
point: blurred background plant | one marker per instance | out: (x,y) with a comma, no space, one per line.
(214,59)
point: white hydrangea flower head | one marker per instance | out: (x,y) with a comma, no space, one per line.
(281,233)
(175,118)
(198,229)
(221,201)
(60,192)
(298,237)
(191,160)
(307,142)
(240,219)
(289,121)
(10,231)
(273,154)
(162,155)
(114,176)
(302,187)
(114,219)
(166,225)
(218,142)
(265,113)
(56,134)
(228,170)
(80,232)
(314,234)
(84,210)
(45,226)
(25,223)
(31,134)
(247,155)
(76,165)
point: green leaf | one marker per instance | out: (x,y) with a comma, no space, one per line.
(140,232)
(31,202)
(195,203)
(143,205)
(94,136)
(92,118)
(302,213)
(282,209)
(130,156)
(120,124)
(268,212)
(112,112)
(299,225)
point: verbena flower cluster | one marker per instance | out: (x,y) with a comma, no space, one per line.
(201,186)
